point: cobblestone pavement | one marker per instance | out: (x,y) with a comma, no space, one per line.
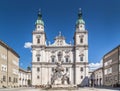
(80,89)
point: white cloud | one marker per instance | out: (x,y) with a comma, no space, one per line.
(94,66)
(27,45)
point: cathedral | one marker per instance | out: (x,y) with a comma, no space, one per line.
(73,57)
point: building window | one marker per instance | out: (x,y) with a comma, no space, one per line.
(38,77)
(66,60)
(81,69)
(4,68)
(9,79)
(53,59)
(81,58)
(41,27)
(20,79)
(14,80)
(4,78)
(38,69)
(52,69)
(67,69)
(38,26)
(38,40)
(38,59)
(81,40)
(81,77)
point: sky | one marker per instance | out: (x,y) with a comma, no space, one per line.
(102,18)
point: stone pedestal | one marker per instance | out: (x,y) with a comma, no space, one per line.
(62,86)
(58,81)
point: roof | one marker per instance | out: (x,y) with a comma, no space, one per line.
(23,70)
(111,50)
(98,69)
(9,48)
(80,21)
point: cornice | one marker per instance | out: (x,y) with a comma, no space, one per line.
(48,63)
(7,47)
(38,32)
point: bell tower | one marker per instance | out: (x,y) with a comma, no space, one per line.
(38,51)
(81,36)
(39,37)
(81,50)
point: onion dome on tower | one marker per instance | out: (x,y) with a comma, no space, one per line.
(80,19)
(39,20)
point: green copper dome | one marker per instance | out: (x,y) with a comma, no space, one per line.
(39,20)
(80,19)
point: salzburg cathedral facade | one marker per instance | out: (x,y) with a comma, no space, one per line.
(72,57)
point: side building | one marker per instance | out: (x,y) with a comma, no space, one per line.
(24,78)
(111,67)
(98,77)
(9,66)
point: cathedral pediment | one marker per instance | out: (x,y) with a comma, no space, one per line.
(59,41)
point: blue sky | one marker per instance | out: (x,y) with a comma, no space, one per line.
(102,17)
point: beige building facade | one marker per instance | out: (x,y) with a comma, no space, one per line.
(111,67)
(9,66)
(74,57)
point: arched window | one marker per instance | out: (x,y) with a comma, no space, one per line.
(38,69)
(67,69)
(81,69)
(38,40)
(66,59)
(81,58)
(38,59)
(38,26)
(81,40)
(81,77)
(53,59)
(38,77)
(52,69)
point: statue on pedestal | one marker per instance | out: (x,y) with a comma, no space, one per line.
(59,77)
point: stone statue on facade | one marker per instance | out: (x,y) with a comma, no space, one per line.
(59,76)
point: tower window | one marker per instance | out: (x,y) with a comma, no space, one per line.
(52,69)
(38,69)
(81,77)
(38,26)
(66,60)
(38,59)
(41,27)
(67,69)
(81,40)
(38,40)
(38,77)
(81,69)
(81,58)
